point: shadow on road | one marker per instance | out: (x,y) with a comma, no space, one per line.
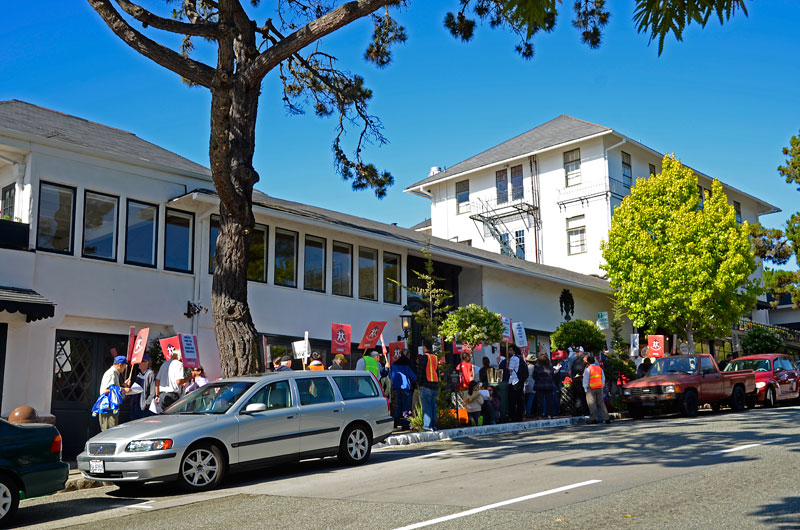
(781,514)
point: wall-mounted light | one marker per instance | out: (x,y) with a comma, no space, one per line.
(193,309)
(405,319)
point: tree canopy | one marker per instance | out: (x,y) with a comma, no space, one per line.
(472,325)
(761,340)
(574,333)
(679,264)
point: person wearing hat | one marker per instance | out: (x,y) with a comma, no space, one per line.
(338,361)
(529,389)
(285,364)
(145,378)
(112,376)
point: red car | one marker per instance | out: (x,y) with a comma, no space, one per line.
(776,377)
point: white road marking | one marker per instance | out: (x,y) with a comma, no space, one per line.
(496,505)
(743,447)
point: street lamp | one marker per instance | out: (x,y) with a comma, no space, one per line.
(405,318)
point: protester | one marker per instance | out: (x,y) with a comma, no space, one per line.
(473,401)
(199,379)
(146,379)
(491,407)
(529,388)
(517,374)
(644,368)
(112,377)
(723,363)
(169,381)
(284,364)
(316,361)
(428,381)
(545,387)
(483,373)
(466,371)
(594,380)
(338,361)
(403,381)
(578,368)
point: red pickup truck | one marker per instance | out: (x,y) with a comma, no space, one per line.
(682,383)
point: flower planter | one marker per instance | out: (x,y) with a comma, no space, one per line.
(14,235)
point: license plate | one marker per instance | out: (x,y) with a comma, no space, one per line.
(649,403)
(97,466)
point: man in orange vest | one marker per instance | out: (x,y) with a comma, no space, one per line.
(428,381)
(594,381)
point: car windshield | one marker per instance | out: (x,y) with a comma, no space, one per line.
(674,365)
(213,398)
(757,365)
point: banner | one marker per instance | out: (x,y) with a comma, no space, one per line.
(458,349)
(131,341)
(371,335)
(190,356)
(395,350)
(139,345)
(170,346)
(655,345)
(520,338)
(507,334)
(559,355)
(340,339)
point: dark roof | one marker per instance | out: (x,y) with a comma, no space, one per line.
(422,224)
(30,303)
(50,124)
(413,239)
(554,132)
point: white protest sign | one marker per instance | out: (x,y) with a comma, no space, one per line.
(302,348)
(634,344)
(507,335)
(190,357)
(520,338)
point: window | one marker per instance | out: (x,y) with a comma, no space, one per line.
(737,207)
(519,236)
(314,390)
(285,257)
(140,233)
(627,170)
(505,246)
(314,266)
(572,167)
(7,202)
(702,198)
(56,216)
(576,235)
(705,366)
(358,387)
(501,184)
(462,196)
(342,269)
(391,271)
(275,395)
(516,183)
(257,254)
(213,233)
(178,241)
(367,273)
(652,169)
(100,225)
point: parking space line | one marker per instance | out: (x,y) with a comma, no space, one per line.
(496,505)
(743,447)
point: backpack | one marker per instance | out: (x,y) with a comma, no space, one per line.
(522,371)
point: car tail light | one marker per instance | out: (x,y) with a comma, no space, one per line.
(55,446)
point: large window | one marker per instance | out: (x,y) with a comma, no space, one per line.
(257,254)
(285,257)
(314,269)
(462,196)
(572,167)
(737,207)
(140,233)
(519,236)
(501,183)
(627,170)
(576,235)
(178,241)
(100,225)
(517,192)
(56,218)
(7,202)
(367,273)
(342,269)
(391,274)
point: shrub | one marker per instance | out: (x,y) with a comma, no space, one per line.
(578,333)
(761,340)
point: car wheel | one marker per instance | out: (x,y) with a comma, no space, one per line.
(738,399)
(689,404)
(202,467)
(356,445)
(9,498)
(636,412)
(769,398)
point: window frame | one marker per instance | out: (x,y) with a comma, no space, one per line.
(4,206)
(210,262)
(519,240)
(737,208)
(375,274)
(333,268)
(575,175)
(517,192)
(155,234)
(275,256)
(584,247)
(462,206)
(627,180)
(74,190)
(386,282)
(501,176)
(191,240)
(324,242)
(298,381)
(116,227)
(652,169)
(265,229)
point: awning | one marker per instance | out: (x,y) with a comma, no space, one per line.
(26,301)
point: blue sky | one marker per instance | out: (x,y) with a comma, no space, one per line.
(724,100)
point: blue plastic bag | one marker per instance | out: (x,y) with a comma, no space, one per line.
(108,403)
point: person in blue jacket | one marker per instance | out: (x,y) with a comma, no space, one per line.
(403,381)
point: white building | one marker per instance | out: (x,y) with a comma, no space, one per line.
(548,195)
(118,232)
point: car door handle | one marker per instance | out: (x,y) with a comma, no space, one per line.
(337,410)
(290,417)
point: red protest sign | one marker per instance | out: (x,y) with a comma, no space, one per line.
(655,345)
(131,340)
(508,336)
(372,334)
(340,339)
(170,346)
(395,350)
(458,349)
(139,345)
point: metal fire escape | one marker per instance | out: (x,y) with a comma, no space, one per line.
(494,216)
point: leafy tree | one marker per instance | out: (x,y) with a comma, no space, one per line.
(288,43)
(678,264)
(576,333)
(761,340)
(472,325)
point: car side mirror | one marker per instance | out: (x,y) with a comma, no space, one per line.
(254,407)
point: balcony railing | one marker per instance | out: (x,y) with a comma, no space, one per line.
(583,191)
(14,235)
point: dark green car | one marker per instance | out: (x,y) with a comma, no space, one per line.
(30,464)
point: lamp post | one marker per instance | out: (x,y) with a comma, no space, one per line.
(405,318)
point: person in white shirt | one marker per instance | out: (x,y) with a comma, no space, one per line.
(516,396)
(170,381)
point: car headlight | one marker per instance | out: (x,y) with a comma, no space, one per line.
(148,445)
(760,385)
(669,389)
(626,392)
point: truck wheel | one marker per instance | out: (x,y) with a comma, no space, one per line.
(689,404)
(636,411)
(9,498)
(769,398)
(738,399)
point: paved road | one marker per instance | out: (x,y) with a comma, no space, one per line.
(715,471)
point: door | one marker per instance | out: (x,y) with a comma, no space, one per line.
(80,359)
(711,387)
(321,416)
(786,377)
(273,432)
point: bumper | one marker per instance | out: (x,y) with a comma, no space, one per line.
(46,479)
(660,401)
(382,429)
(131,467)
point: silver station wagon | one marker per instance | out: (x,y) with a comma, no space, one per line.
(245,422)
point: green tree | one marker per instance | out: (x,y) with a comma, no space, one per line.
(678,264)
(761,340)
(288,44)
(574,333)
(472,325)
